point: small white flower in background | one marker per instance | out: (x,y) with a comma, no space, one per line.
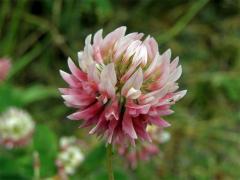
(16,128)
(164,137)
(70,156)
(67,141)
(158,135)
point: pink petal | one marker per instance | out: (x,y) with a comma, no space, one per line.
(70,79)
(79,100)
(88,113)
(112,111)
(76,71)
(112,37)
(101,125)
(135,109)
(111,127)
(158,121)
(127,125)
(152,47)
(141,129)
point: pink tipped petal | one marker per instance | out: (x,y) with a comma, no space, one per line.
(165,112)
(159,122)
(101,122)
(112,111)
(76,71)
(112,125)
(141,130)
(137,109)
(152,46)
(79,100)
(112,37)
(86,113)
(71,80)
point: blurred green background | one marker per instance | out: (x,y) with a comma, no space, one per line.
(39,35)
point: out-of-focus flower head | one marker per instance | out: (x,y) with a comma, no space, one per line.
(70,156)
(145,150)
(16,128)
(123,84)
(158,135)
(5,66)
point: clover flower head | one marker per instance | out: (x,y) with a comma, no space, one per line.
(5,66)
(123,85)
(16,128)
(158,135)
(70,156)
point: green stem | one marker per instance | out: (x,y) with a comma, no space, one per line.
(109,162)
(183,21)
(36,166)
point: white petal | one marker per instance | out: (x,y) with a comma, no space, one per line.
(179,95)
(133,93)
(131,50)
(158,93)
(134,81)
(81,62)
(97,39)
(152,66)
(175,75)
(108,79)
(174,63)
(93,73)
(167,54)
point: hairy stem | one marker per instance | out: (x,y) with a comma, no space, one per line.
(109,162)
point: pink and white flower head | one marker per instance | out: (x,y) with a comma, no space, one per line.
(69,157)
(5,66)
(16,128)
(122,85)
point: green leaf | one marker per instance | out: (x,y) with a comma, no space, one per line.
(8,97)
(16,163)
(38,92)
(45,143)
(25,60)
(94,159)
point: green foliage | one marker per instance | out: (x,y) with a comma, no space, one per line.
(45,143)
